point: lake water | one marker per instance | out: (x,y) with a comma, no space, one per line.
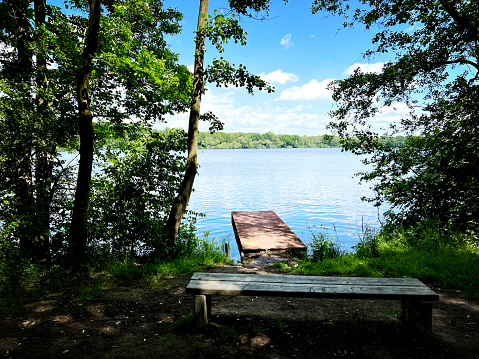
(307,188)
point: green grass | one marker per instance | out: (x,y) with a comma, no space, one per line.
(450,262)
(209,252)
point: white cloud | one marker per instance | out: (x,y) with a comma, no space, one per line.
(286,41)
(296,119)
(191,68)
(386,116)
(414,28)
(376,67)
(211,99)
(390,114)
(279,77)
(279,120)
(313,90)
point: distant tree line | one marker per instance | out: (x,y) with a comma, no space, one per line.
(223,140)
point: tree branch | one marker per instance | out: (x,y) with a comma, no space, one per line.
(462,20)
(462,62)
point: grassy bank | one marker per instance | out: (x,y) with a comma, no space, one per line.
(445,261)
(448,262)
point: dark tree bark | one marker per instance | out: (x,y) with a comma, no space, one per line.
(23,150)
(78,230)
(43,152)
(181,202)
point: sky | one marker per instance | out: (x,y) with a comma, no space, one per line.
(297,52)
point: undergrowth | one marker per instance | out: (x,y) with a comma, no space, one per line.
(22,281)
(445,260)
(441,259)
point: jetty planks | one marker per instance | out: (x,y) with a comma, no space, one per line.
(257,231)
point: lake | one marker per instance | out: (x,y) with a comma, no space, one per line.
(307,188)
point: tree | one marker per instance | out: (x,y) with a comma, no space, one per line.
(219,29)
(78,228)
(125,72)
(133,55)
(435,175)
(29,134)
(22,176)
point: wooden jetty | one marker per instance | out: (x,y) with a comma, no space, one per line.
(260,231)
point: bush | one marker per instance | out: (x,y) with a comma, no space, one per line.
(368,243)
(132,195)
(324,246)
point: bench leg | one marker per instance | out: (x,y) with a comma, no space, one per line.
(417,317)
(202,310)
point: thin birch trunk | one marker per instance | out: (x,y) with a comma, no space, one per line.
(181,202)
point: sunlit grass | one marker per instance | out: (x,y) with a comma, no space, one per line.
(208,252)
(450,262)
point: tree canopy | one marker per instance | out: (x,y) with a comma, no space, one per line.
(435,72)
(223,140)
(75,72)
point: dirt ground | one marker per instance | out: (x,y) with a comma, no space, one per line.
(137,319)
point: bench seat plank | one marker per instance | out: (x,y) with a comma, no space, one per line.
(311,290)
(319,280)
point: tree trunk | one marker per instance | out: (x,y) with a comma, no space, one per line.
(43,152)
(78,228)
(23,150)
(181,202)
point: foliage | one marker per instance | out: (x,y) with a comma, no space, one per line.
(244,6)
(11,270)
(258,140)
(368,243)
(20,280)
(132,194)
(324,246)
(136,74)
(215,123)
(219,29)
(134,77)
(271,140)
(34,122)
(436,76)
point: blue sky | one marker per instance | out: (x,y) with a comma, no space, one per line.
(297,52)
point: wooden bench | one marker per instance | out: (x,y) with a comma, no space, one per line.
(415,296)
